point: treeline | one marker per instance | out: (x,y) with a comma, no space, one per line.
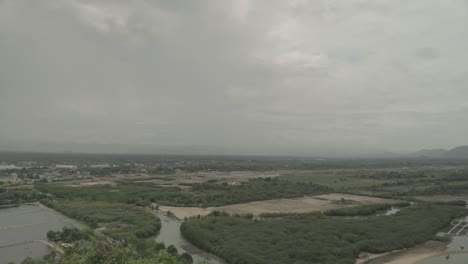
(455,202)
(12,196)
(203,195)
(363,210)
(424,188)
(442,188)
(394,175)
(67,235)
(312,238)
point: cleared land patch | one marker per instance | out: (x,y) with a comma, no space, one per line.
(185,180)
(306,204)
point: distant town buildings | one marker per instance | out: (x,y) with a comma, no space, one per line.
(13,177)
(9,167)
(99,166)
(67,167)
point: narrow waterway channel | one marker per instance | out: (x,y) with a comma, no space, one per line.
(170,235)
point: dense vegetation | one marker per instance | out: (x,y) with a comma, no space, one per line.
(203,194)
(382,183)
(170,163)
(86,247)
(121,222)
(312,238)
(280,238)
(102,252)
(67,235)
(14,196)
(389,183)
(364,210)
(117,210)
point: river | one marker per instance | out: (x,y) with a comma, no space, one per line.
(170,235)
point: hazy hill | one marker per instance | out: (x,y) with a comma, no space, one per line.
(458,152)
(430,153)
(455,153)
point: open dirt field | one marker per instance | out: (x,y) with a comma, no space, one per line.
(355,198)
(294,205)
(184,180)
(181,180)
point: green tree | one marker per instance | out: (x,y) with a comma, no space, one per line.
(107,253)
(186,258)
(172,250)
(51,235)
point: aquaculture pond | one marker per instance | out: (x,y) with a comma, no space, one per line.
(23,231)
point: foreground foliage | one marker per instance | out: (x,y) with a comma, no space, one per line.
(92,248)
(67,235)
(105,253)
(313,238)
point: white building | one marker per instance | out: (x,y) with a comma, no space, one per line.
(64,166)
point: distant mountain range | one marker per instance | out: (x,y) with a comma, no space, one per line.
(460,152)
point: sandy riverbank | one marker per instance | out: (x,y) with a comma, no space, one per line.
(411,255)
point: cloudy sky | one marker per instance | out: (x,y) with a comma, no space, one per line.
(318,77)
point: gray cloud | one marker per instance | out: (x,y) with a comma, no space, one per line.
(244,77)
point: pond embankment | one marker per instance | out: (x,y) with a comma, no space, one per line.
(23,231)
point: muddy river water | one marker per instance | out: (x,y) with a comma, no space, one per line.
(170,235)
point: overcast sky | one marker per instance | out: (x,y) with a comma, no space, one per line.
(317,77)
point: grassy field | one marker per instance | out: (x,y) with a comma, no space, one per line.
(201,195)
(337,180)
(388,183)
